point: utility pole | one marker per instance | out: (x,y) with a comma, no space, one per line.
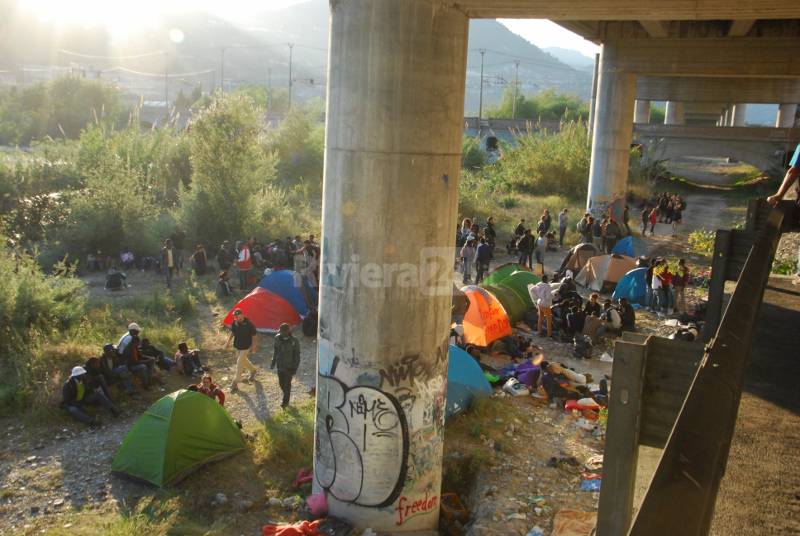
(480,98)
(269,89)
(516,88)
(291,47)
(166,85)
(222,70)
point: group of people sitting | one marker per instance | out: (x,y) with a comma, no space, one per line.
(132,359)
(664,208)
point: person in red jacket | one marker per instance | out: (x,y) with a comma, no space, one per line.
(209,388)
(244,263)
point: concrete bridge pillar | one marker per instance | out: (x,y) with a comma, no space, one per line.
(613,130)
(786,115)
(726,117)
(674,114)
(395,69)
(641,113)
(739,113)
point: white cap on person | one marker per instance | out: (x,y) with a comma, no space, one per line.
(133,326)
(77,371)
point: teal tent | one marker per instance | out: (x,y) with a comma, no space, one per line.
(465,381)
(176,435)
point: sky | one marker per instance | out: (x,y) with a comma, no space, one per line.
(544,34)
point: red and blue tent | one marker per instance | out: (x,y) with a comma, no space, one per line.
(267,311)
(290,286)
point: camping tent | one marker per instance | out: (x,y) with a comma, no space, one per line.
(267,311)
(501,272)
(290,286)
(624,247)
(465,381)
(518,282)
(602,273)
(486,320)
(633,286)
(176,435)
(576,257)
(513,304)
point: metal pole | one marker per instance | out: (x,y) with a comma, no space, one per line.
(291,47)
(222,70)
(166,85)
(516,88)
(480,98)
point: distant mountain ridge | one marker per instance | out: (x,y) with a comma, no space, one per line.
(256,51)
(573,58)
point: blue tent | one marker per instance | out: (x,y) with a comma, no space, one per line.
(624,247)
(289,285)
(465,381)
(633,286)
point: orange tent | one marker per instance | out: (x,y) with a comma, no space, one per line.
(486,319)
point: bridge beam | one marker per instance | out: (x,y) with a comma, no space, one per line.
(613,130)
(786,115)
(711,89)
(396,69)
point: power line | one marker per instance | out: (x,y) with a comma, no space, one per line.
(533,61)
(94,56)
(159,75)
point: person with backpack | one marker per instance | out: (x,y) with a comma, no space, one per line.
(286,356)
(243,334)
(483,256)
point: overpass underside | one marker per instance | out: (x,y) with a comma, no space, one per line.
(393,143)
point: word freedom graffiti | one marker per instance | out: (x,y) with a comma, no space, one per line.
(358,430)
(407,508)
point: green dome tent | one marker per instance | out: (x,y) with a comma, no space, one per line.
(513,304)
(518,282)
(176,435)
(500,273)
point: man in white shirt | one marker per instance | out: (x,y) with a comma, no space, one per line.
(562,226)
(612,320)
(542,296)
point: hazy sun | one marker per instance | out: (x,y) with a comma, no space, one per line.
(119,16)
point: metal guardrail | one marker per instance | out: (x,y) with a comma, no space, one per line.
(682,494)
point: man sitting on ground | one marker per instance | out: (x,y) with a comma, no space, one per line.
(223,285)
(77,392)
(188,360)
(140,366)
(209,388)
(115,280)
(592,307)
(612,320)
(163,362)
(95,378)
(628,315)
(115,370)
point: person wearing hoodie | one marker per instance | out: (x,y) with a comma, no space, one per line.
(286,356)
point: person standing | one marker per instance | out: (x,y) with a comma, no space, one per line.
(562,226)
(645,219)
(490,234)
(169,261)
(467,258)
(243,334)
(584,228)
(525,248)
(224,256)
(199,260)
(679,282)
(245,264)
(483,256)
(547,219)
(539,249)
(597,233)
(286,356)
(653,220)
(613,233)
(542,296)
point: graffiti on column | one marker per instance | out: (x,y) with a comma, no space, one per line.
(362,442)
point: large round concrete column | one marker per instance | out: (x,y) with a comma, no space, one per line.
(786,115)
(674,114)
(613,130)
(396,76)
(641,113)
(739,113)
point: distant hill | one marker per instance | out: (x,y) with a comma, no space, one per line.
(573,58)
(256,51)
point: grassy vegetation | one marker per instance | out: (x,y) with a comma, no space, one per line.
(286,444)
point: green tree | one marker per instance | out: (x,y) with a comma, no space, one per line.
(230,167)
(548,105)
(299,143)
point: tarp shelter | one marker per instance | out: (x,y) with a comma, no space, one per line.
(267,311)
(602,273)
(513,304)
(624,247)
(633,286)
(175,436)
(486,319)
(501,272)
(465,382)
(518,282)
(290,286)
(576,257)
